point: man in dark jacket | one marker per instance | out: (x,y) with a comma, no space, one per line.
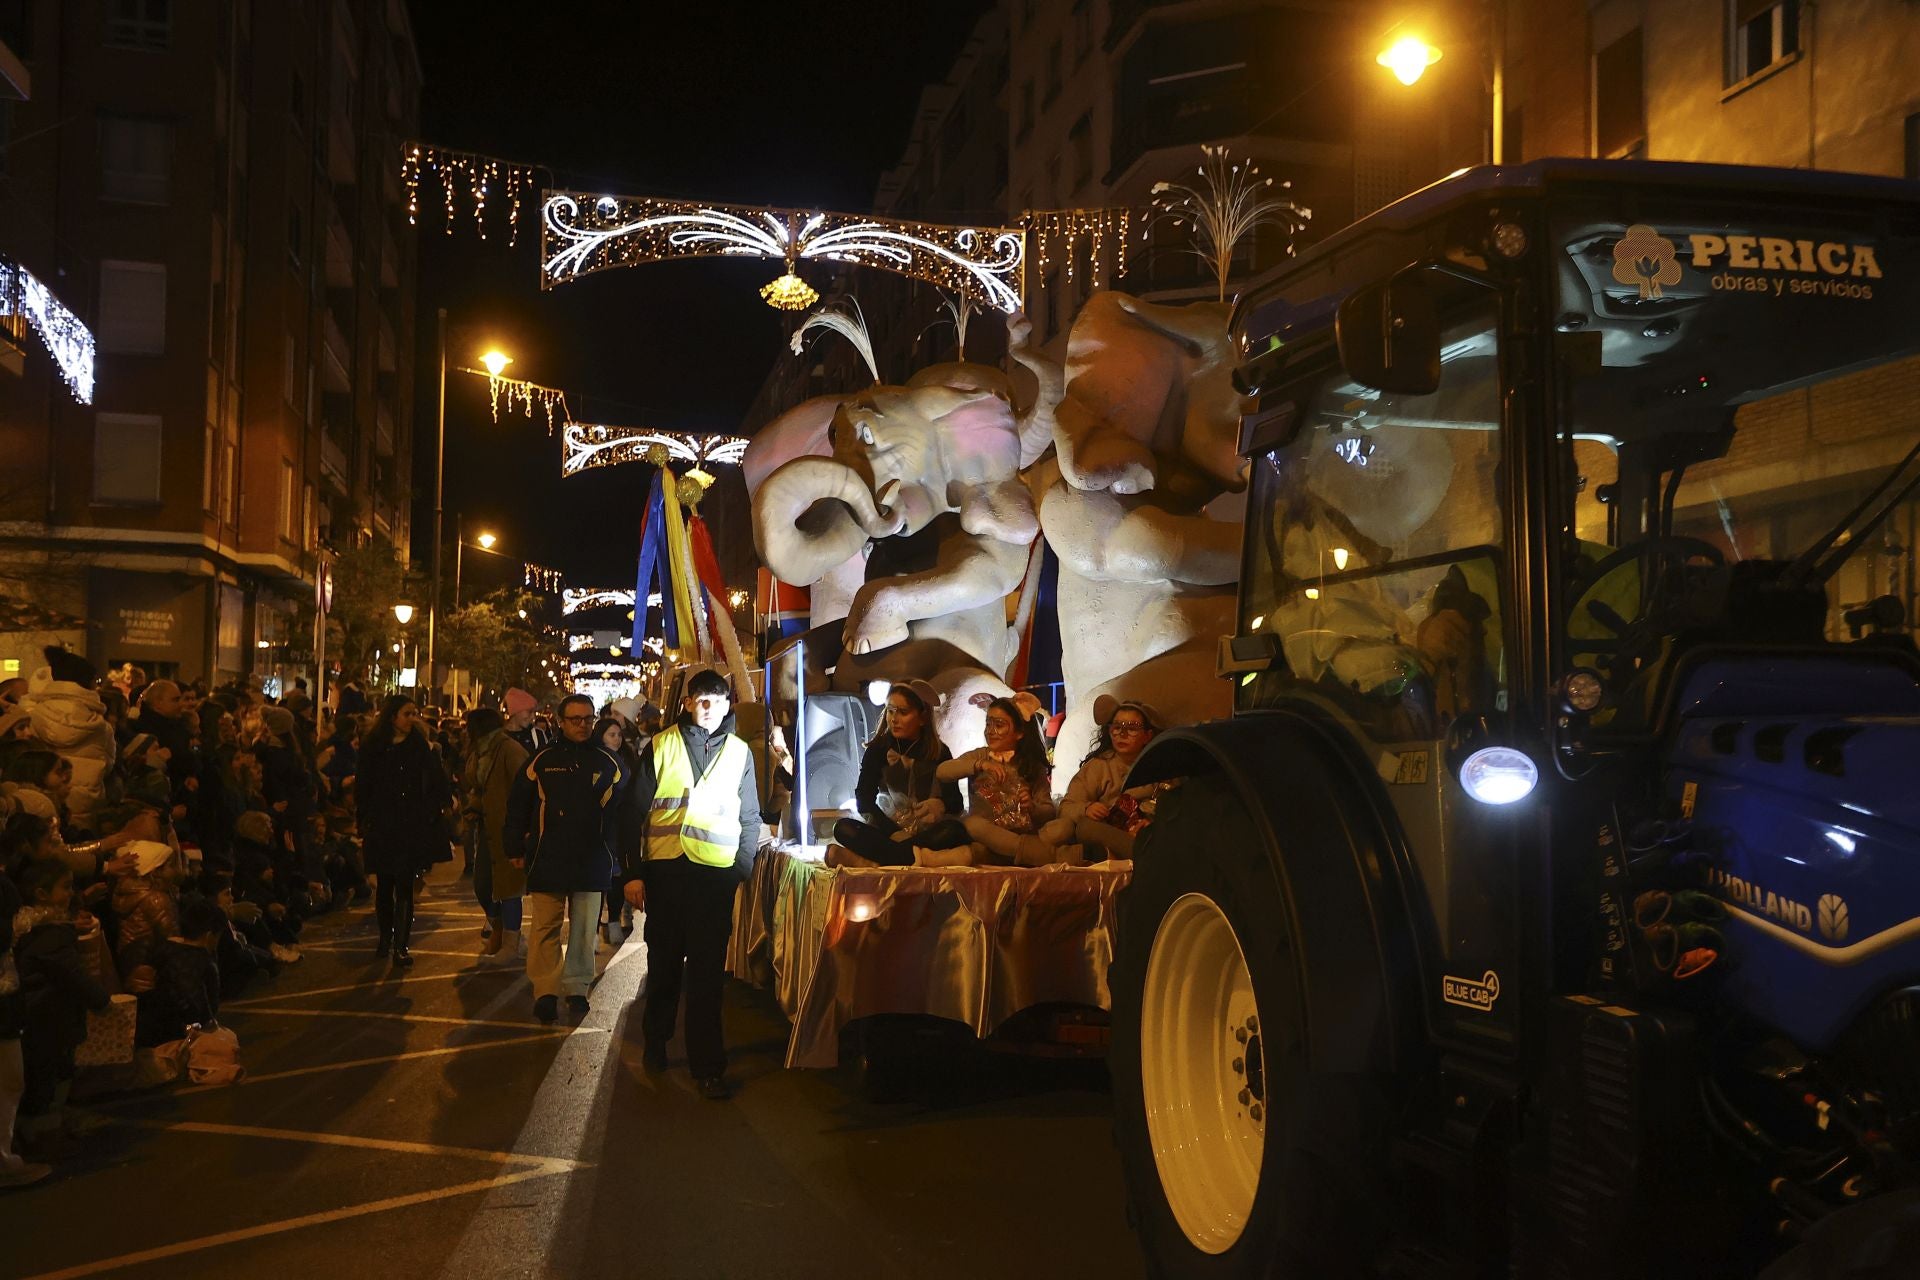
(565,816)
(700,802)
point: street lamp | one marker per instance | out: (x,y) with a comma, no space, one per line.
(486,541)
(1408,58)
(495,360)
(482,543)
(403,613)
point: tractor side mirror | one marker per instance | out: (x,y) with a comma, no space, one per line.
(1389,335)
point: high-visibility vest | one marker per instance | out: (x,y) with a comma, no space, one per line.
(696,818)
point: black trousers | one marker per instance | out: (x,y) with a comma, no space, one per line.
(689,918)
(393,907)
(876,843)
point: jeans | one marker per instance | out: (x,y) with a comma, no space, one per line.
(689,919)
(393,907)
(544,968)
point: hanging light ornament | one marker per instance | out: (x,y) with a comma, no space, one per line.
(789,292)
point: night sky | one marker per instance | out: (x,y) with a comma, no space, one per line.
(751,103)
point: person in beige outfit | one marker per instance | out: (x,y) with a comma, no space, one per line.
(494,759)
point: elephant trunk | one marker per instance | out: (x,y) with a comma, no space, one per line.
(812,514)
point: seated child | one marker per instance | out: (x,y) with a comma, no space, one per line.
(903,806)
(1009,791)
(1100,812)
(186,977)
(57,992)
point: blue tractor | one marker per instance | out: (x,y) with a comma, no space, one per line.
(1550,906)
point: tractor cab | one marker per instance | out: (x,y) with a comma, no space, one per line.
(1576,584)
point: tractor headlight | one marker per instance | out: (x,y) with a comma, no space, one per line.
(1499,775)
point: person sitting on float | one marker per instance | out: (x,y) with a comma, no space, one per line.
(1010,789)
(904,808)
(1100,812)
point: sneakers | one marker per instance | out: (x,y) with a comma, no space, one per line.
(714,1088)
(20,1173)
(577,1005)
(547,1009)
(654,1058)
(285,955)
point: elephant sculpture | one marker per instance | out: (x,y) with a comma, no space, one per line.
(1140,503)
(921,493)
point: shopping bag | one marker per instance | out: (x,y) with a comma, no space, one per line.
(109,1041)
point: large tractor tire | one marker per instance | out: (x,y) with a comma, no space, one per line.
(1254,1136)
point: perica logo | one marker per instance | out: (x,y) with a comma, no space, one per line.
(1645,258)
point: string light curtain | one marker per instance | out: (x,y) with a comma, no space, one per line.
(467,180)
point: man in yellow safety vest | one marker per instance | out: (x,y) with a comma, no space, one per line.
(696,793)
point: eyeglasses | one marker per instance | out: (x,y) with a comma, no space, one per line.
(1127,728)
(578,719)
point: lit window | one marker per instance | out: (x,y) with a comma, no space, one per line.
(139,24)
(1759,34)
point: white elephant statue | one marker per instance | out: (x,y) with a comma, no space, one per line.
(921,492)
(1141,504)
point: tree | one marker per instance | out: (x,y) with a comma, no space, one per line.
(367,582)
(500,640)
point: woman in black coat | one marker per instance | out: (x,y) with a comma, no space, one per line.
(402,796)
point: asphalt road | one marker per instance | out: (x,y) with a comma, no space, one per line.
(426,1125)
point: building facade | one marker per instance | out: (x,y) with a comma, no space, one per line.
(214,188)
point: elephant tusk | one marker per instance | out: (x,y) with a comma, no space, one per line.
(883,498)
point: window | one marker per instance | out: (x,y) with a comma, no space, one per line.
(209,465)
(133,308)
(1023,119)
(135,156)
(287,510)
(1053,73)
(1080,142)
(1619,112)
(126,459)
(139,24)
(1374,514)
(1759,34)
(291,384)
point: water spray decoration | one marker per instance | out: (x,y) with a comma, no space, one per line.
(66,336)
(1057,233)
(469,177)
(582,233)
(846,319)
(584,445)
(1230,203)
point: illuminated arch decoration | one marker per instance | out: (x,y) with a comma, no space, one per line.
(575,599)
(584,445)
(582,233)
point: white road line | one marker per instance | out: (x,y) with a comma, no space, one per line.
(341,948)
(251,1001)
(544,1170)
(556,1033)
(523,1024)
(349,1140)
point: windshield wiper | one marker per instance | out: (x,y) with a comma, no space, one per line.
(1823,559)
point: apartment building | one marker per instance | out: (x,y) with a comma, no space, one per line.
(214,187)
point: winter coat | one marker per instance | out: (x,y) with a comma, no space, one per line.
(13,1004)
(566,817)
(1102,779)
(186,991)
(493,764)
(402,796)
(176,735)
(72,720)
(58,989)
(147,912)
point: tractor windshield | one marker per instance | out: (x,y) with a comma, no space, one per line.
(1741,393)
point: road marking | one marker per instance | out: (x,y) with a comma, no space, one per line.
(533,1167)
(340,948)
(555,1033)
(390,1017)
(251,1001)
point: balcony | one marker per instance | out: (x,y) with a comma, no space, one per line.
(337,360)
(385,348)
(383,431)
(333,460)
(343,155)
(339,250)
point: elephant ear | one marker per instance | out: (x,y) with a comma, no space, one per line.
(800,431)
(976,422)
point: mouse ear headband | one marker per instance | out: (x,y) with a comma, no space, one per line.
(1106,707)
(922,691)
(1025,705)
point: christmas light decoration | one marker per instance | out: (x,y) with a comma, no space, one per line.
(581,234)
(1056,234)
(584,445)
(542,578)
(524,396)
(65,335)
(846,319)
(575,599)
(789,292)
(468,174)
(1235,203)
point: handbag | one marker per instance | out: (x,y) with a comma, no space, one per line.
(109,1041)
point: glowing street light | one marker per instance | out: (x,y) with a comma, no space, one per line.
(404,613)
(496,360)
(486,541)
(1408,58)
